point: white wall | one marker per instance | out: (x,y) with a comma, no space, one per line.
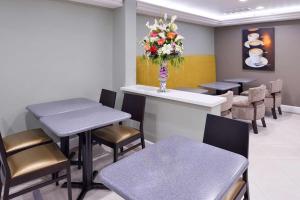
(51,50)
(198,39)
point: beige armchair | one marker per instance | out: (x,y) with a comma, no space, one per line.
(273,97)
(227,106)
(251,107)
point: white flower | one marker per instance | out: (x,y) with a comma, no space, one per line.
(167,49)
(173,27)
(173,18)
(159,51)
(178,49)
(153,39)
(146,38)
(165,17)
(179,37)
(162,35)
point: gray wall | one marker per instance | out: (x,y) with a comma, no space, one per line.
(198,39)
(228,50)
(124,48)
(51,50)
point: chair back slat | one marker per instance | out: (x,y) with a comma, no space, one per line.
(3,159)
(108,98)
(228,134)
(134,105)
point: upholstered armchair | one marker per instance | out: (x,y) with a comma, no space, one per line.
(273,97)
(227,106)
(251,107)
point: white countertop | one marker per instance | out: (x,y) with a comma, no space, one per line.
(176,95)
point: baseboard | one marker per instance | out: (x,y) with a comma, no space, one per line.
(291,109)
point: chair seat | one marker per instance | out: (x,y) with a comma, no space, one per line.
(241,101)
(245,93)
(235,189)
(115,133)
(33,159)
(25,139)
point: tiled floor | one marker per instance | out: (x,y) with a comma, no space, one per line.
(274,171)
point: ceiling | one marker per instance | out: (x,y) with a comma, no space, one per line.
(214,12)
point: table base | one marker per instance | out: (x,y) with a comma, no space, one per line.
(85,188)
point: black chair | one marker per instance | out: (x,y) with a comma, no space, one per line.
(31,164)
(117,136)
(107,98)
(233,136)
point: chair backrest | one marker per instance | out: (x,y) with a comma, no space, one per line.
(5,171)
(275,86)
(134,105)
(229,99)
(257,94)
(108,98)
(228,134)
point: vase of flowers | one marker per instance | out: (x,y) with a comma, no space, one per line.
(163,45)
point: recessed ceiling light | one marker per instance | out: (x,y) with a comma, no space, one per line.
(243,0)
(259,7)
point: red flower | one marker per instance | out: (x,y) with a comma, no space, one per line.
(153,34)
(161,41)
(153,50)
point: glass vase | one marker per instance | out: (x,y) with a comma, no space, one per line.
(163,77)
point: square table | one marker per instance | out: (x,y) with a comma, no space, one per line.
(220,87)
(59,107)
(240,81)
(83,122)
(175,168)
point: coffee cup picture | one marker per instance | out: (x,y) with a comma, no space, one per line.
(253,37)
(256,55)
(258,49)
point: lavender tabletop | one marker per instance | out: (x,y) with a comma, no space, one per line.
(223,86)
(58,107)
(73,122)
(175,168)
(240,80)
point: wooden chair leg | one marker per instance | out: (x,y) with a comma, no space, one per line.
(246,195)
(116,149)
(6,191)
(69,183)
(54,176)
(79,154)
(254,125)
(274,113)
(143,140)
(279,110)
(263,122)
(0,187)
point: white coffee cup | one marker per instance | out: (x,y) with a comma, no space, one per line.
(256,55)
(253,37)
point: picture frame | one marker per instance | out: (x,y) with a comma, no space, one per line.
(258,46)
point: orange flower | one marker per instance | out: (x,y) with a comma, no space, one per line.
(161,41)
(147,47)
(171,35)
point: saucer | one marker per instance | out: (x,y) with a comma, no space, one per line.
(263,63)
(247,44)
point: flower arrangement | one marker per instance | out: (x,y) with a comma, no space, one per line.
(163,43)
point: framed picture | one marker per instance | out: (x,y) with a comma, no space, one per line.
(259,49)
